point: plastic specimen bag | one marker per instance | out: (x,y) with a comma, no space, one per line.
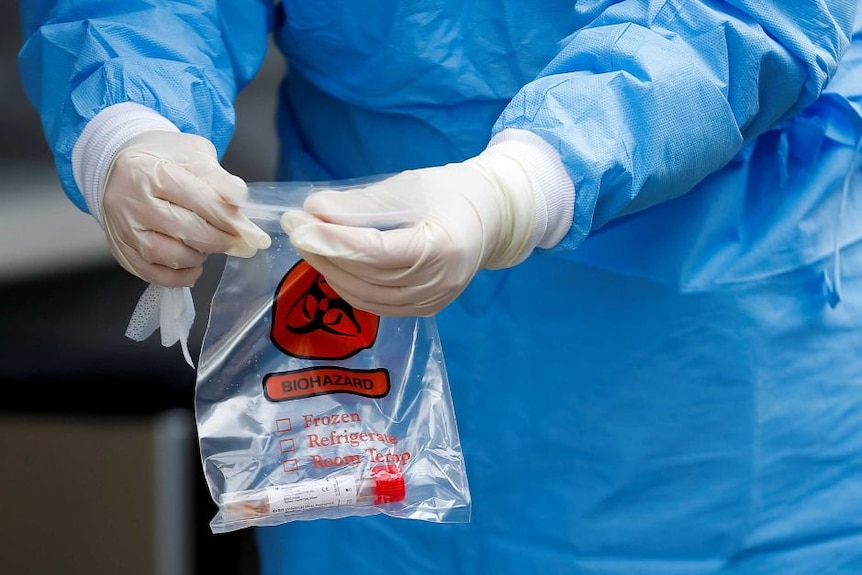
(308,408)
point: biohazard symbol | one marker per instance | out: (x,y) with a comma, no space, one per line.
(311,321)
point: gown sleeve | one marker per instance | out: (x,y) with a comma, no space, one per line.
(185,60)
(649,97)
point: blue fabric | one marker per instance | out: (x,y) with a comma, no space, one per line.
(675,389)
(681,393)
(186,60)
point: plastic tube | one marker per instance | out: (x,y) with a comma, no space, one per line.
(385,485)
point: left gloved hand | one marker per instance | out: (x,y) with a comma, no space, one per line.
(460,218)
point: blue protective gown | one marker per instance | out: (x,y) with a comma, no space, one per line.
(675,389)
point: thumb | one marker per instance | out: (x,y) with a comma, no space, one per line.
(391,203)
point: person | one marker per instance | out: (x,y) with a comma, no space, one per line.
(636,222)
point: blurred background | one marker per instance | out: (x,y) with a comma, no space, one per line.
(98,448)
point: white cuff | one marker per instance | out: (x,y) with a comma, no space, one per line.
(553,188)
(101,139)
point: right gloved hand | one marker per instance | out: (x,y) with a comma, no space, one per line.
(168,203)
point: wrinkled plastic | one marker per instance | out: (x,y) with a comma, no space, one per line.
(295,387)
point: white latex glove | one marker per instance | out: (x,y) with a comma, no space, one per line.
(168,203)
(481,213)
(164,203)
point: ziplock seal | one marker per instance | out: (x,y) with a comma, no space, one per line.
(267,201)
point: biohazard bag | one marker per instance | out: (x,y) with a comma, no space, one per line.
(308,408)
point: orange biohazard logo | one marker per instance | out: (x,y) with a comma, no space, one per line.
(311,321)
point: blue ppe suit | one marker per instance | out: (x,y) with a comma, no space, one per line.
(676,388)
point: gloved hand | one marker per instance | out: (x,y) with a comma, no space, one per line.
(480,213)
(168,203)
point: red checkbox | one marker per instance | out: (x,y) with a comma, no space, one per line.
(283,424)
(288,445)
(290,465)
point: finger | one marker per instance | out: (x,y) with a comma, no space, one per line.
(155,273)
(242,250)
(191,229)
(180,187)
(233,191)
(202,161)
(353,289)
(388,310)
(160,218)
(364,292)
(398,248)
(162,250)
(292,219)
(393,203)
(395,258)
(410,276)
(167,277)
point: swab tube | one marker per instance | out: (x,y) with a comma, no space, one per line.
(385,485)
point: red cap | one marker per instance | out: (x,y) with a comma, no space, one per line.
(389,486)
